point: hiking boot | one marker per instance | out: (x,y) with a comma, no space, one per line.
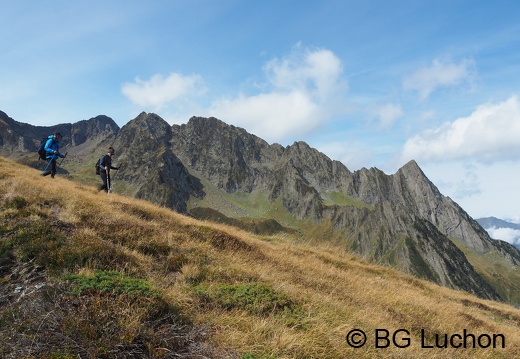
(46,173)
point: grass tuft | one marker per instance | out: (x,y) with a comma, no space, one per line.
(111,282)
(256,298)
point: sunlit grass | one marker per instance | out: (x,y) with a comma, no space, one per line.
(119,267)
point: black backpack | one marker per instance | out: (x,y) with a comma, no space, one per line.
(98,167)
(42,154)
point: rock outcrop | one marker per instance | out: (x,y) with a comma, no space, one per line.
(151,168)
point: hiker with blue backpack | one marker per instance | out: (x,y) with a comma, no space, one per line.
(104,166)
(52,153)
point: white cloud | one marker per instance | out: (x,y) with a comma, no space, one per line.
(509,235)
(440,74)
(301,93)
(270,116)
(388,114)
(489,134)
(515,220)
(316,71)
(160,91)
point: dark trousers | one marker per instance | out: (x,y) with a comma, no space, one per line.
(51,168)
(105,177)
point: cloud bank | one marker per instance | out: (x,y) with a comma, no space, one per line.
(300,92)
(509,235)
(489,134)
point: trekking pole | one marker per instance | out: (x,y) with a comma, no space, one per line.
(108,181)
(117,171)
(59,164)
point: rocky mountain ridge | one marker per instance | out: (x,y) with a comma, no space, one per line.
(489,222)
(401,220)
(24,137)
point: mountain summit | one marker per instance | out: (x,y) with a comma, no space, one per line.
(210,169)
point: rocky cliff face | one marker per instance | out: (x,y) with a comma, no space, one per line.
(83,131)
(410,223)
(229,157)
(17,137)
(151,167)
(400,220)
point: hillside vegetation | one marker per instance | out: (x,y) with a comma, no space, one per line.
(94,275)
(217,172)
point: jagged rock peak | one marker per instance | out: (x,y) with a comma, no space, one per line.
(211,125)
(148,125)
(81,131)
(104,120)
(302,147)
(207,121)
(100,123)
(411,167)
(148,119)
(414,176)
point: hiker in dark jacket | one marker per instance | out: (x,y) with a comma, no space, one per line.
(52,147)
(105,165)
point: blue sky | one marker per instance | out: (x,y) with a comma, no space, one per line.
(369,83)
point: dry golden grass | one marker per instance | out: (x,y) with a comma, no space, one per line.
(258,297)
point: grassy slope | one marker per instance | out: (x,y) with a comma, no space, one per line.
(250,211)
(495,269)
(226,292)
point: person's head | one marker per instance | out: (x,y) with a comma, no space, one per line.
(57,135)
(111,151)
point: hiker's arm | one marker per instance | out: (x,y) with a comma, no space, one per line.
(48,145)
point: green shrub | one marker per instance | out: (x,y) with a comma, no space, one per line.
(111,282)
(256,298)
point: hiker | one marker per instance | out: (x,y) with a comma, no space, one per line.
(52,148)
(105,165)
